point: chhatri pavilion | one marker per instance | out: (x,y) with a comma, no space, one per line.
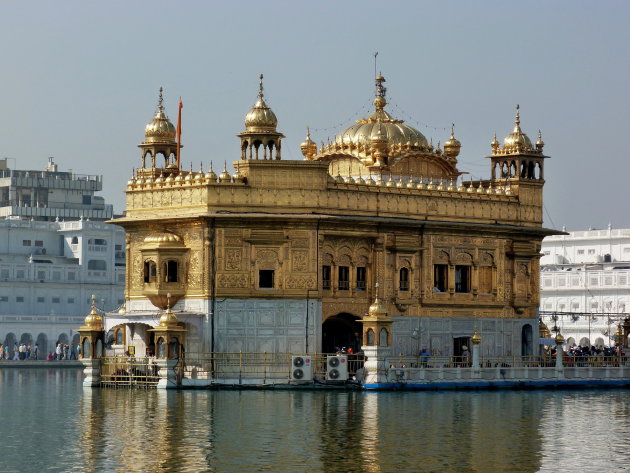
(288,256)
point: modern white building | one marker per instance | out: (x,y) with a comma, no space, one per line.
(54,254)
(585,284)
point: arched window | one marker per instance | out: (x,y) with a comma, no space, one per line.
(75,240)
(170,271)
(174,349)
(119,336)
(161,348)
(382,338)
(370,337)
(404,279)
(150,271)
(86,348)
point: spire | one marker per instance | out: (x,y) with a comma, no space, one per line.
(379,100)
(260,87)
(161,101)
(517,120)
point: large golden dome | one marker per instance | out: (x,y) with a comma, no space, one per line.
(160,128)
(395,131)
(261,117)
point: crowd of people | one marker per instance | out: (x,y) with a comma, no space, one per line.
(28,351)
(592,356)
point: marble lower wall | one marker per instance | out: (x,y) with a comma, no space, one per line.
(498,336)
(272,326)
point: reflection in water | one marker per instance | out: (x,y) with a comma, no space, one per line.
(52,423)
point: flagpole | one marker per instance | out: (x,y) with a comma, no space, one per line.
(179,132)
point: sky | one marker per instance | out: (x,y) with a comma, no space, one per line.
(80,81)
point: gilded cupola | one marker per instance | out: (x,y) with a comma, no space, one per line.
(518,159)
(260,117)
(160,129)
(260,140)
(159,139)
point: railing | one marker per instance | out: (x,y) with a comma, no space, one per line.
(224,366)
(129,371)
(121,371)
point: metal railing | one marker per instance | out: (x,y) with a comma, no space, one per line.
(223,366)
(128,371)
(541,361)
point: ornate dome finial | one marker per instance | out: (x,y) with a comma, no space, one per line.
(540,143)
(379,100)
(494,143)
(452,146)
(161,100)
(260,87)
(308,146)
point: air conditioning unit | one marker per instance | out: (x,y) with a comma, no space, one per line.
(337,368)
(301,368)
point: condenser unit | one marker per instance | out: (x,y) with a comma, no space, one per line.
(301,368)
(337,368)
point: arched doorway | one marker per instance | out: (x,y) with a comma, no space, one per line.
(42,346)
(527,341)
(342,330)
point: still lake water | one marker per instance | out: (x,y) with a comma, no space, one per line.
(51,423)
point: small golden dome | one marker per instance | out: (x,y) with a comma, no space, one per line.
(225,175)
(540,143)
(370,181)
(168,318)
(94,321)
(452,146)
(543,330)
(559,339)
(360,181)
(261,117)
(494,143)
(308,146)
(160,129)
(211,175)
(476,338)
(517,141)
(377,308)
(237,176)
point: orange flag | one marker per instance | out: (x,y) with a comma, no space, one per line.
(179,131)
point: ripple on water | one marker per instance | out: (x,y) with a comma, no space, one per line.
(51,423)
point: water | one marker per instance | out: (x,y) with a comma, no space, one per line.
(50,423)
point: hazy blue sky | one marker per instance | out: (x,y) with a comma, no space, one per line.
(80,80)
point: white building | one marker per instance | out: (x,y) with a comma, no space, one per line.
(585,284)
(49,268)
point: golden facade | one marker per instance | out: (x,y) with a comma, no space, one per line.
(285,255)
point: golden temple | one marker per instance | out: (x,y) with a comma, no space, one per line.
(284,256)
